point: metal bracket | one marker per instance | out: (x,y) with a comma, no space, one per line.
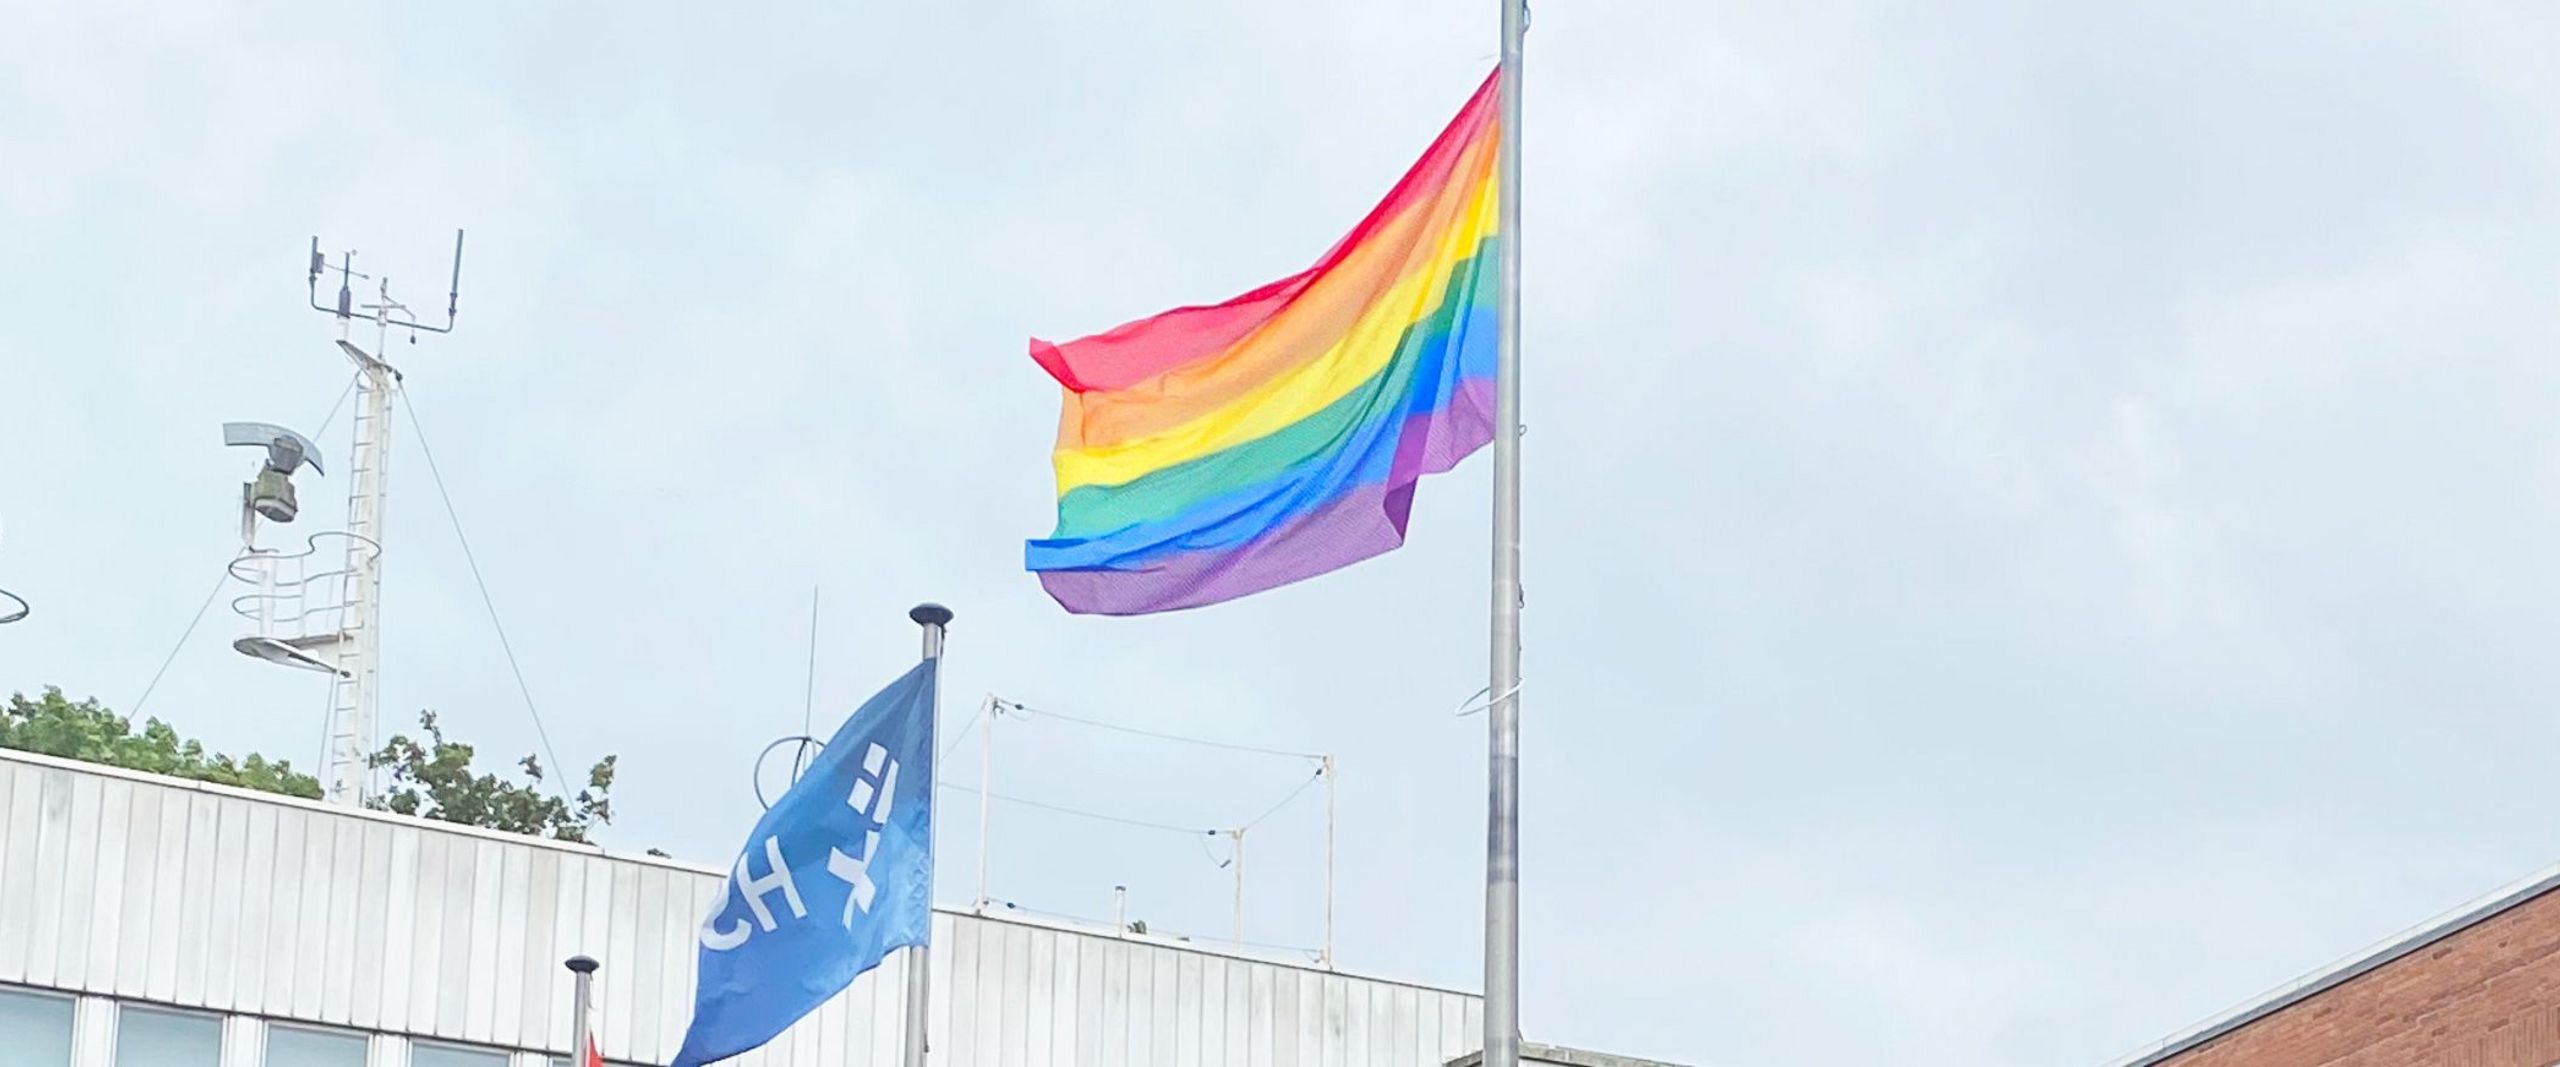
(264,434)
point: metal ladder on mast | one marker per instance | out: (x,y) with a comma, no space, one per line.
(353,687)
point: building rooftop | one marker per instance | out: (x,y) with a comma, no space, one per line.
(1531,1052)
(246,910)
(2406,942)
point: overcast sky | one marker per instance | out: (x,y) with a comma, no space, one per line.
(2039,516)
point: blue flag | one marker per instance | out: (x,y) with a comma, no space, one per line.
(838,874)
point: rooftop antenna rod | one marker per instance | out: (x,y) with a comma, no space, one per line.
(346,309)
(332,621)
(12,607)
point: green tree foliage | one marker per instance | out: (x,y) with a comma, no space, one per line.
(435,779)
(56,726)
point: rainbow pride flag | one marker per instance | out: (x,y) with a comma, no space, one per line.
(1215,451)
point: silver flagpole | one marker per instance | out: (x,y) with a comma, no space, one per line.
(584,997)
(1502,816)
(933,617)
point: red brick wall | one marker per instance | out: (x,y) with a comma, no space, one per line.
(2486,997)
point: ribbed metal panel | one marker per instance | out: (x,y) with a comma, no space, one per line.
(143,888)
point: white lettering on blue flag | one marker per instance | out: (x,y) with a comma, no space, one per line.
(834,877)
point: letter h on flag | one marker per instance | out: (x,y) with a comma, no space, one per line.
(837,875)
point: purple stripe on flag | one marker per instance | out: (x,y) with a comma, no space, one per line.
(1365,521)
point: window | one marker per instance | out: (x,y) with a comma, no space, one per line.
(294,1046)
(35,1029)
(148,1037)
(426,1055)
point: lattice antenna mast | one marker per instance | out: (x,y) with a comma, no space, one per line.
(332,620)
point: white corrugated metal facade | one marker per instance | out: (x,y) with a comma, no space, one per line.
(131,889)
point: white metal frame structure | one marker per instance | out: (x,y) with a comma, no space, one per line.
(354,689)
(332,620)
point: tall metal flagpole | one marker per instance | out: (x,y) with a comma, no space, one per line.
(933,617)
(582,1000)
(1502,816)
